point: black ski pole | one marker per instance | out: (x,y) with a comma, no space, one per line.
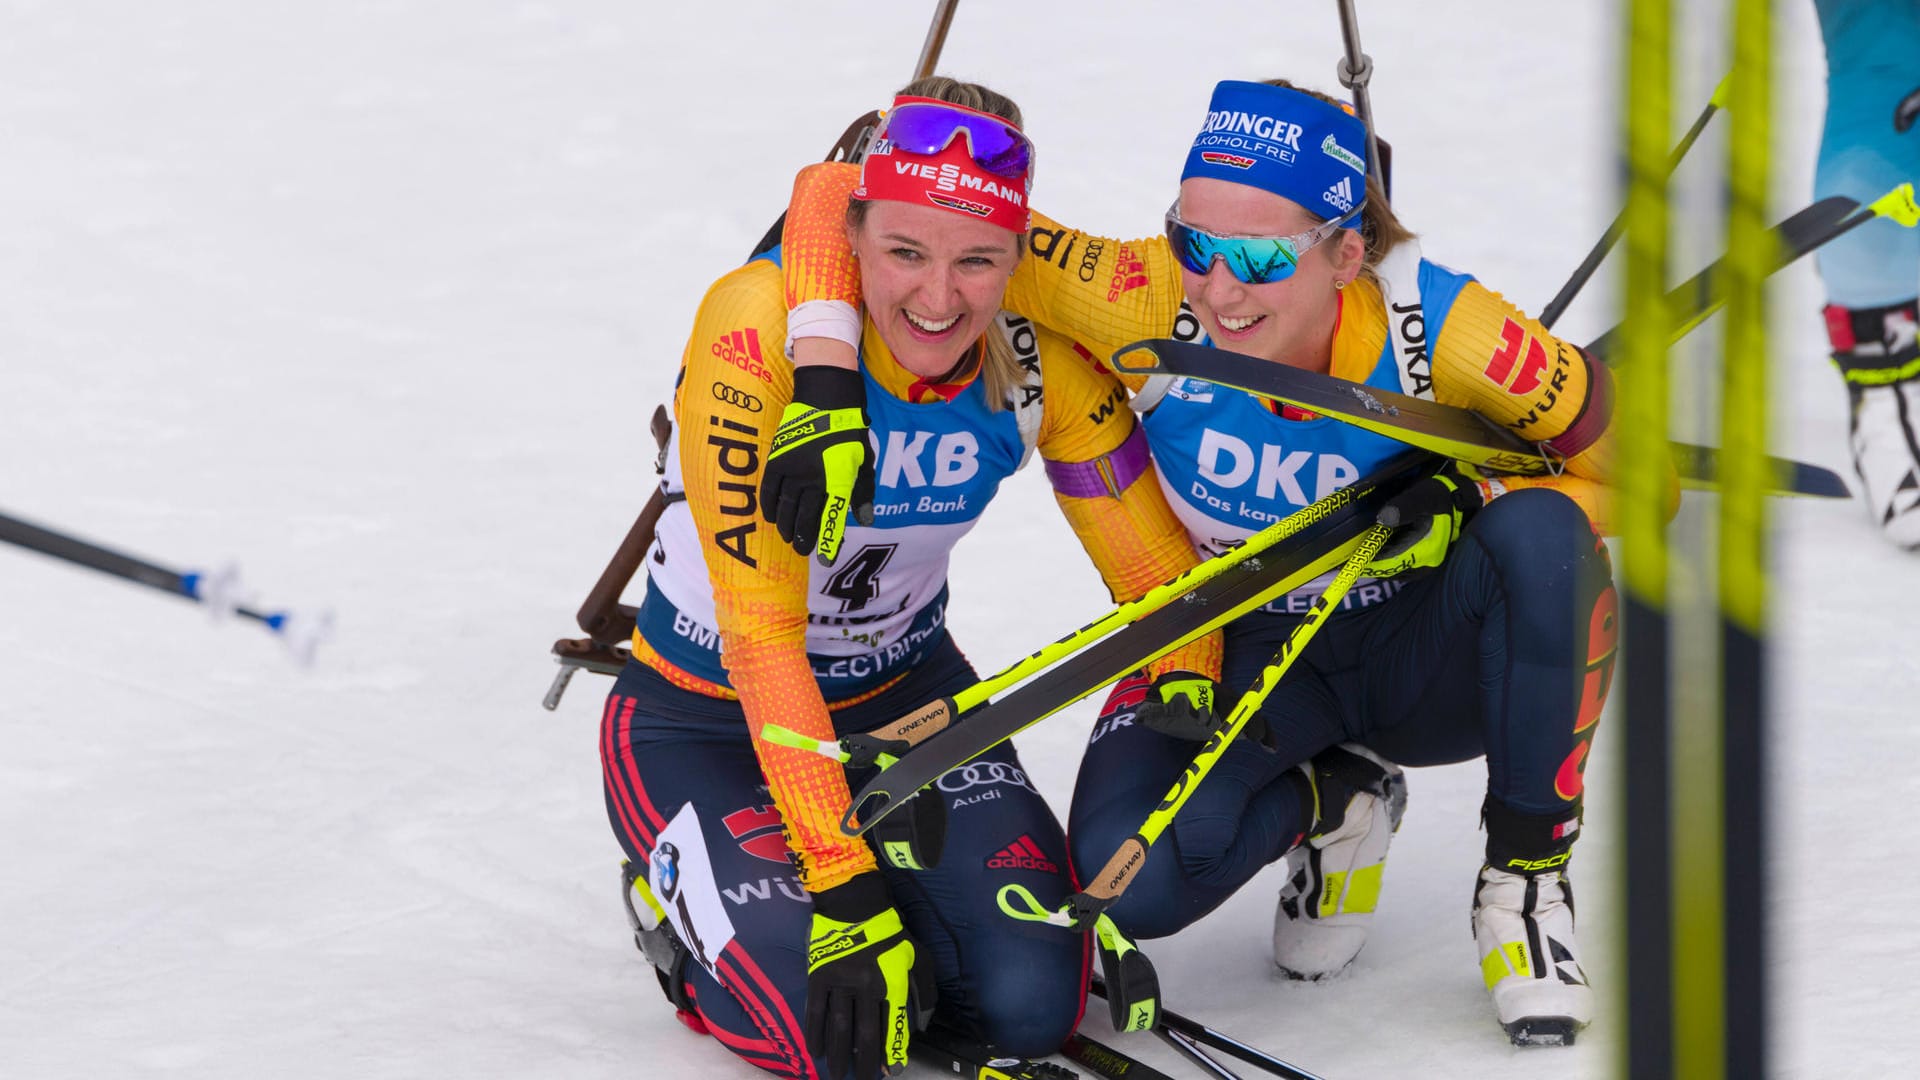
(1186,1047)
(1808,230)
(1356,69)
(1584,272)
(936,39)
(1224,1043)
(219,592)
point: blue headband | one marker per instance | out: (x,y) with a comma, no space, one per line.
(1283,141)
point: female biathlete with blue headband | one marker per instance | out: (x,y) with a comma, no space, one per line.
(1489,627)
(788,943)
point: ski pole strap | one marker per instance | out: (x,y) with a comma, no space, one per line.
(1017,902)
(779,735)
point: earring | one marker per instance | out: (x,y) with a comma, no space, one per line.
(1338,284)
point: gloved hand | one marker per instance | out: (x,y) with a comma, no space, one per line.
(865,993)
(820,468)
(1180,704)
(1426,519)
(1184,705)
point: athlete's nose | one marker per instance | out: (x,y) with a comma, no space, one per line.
(1220,281)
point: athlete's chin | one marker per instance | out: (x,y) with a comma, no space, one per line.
(928,360)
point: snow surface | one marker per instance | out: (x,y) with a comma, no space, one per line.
(374,298)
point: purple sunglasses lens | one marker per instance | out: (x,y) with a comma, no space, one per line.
(928,129)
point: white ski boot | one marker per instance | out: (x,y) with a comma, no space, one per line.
(1333,878)
(1877,353)
(1523,925)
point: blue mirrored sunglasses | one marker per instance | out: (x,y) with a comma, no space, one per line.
(926,128)
(1255,260)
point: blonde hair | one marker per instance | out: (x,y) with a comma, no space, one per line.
(1000,369)
(1379,227)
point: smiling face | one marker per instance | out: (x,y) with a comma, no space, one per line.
(932,280)
(1291,321)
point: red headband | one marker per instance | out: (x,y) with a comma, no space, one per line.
(950,180)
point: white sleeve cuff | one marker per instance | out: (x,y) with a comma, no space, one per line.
(834,319)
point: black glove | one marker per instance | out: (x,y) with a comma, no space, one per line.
(865,990)
(1426,519)
(1180,704)
(1184,705)
(820,467)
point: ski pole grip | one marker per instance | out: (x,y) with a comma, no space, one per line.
(915,727)
(1112,880)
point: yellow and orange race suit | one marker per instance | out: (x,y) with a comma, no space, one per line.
(731,610)
(1470,347)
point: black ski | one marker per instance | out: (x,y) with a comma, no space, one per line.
(1289,564)
(1702,294)
(1107,1061)
(958,1055)
(1448,430)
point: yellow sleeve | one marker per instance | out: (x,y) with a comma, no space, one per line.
(759,583)
(1493,358)
(1103,293)
(1132,535)
(814,250)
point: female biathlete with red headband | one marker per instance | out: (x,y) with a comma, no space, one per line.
(1489,628)
(803,956)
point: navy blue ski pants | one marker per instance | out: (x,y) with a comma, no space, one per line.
(668,752)
(1506,651)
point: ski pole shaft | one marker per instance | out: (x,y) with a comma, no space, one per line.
(936,39)
(1186,1047)
(92,556)
(1584,272)
(1356,70)
(217,592)
(185,583)
(1120,870)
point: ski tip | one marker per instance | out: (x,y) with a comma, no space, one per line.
(1543,1031)
(1141,365)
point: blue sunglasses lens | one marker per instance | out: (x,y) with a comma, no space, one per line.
(927,129)
(1255,260)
